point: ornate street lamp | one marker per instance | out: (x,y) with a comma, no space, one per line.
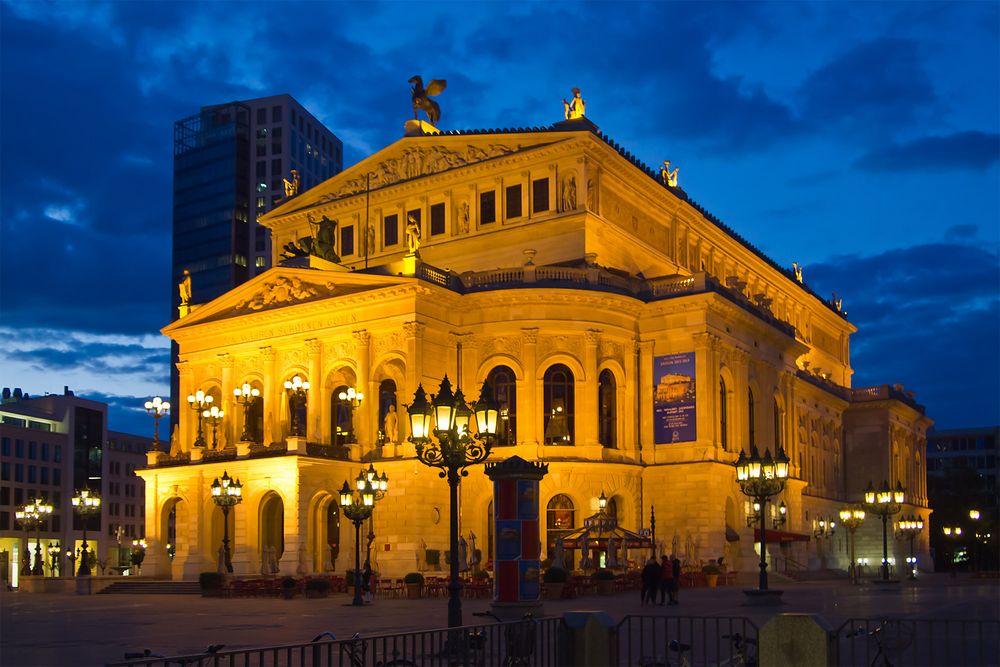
(213,416)
(953,533)
(157,408)
(85,503)
(884,502)
(138,554)
(54,550)
(199,402)
(825,528)
(358,508)
(760,478)
(297,389)
(453,449)
(909,527)
(352,399)
(33,515)
(247,396)
(226,493)
(852,516)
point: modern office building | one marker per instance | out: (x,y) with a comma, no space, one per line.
(636,345)
(51,447)
(230,162)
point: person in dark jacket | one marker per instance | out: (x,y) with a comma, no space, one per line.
(666,578)
(675,580)
(650,581)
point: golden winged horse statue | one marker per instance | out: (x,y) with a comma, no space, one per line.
(422,97)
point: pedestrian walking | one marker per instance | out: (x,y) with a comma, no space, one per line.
(650,581)
(366,582)
(675,580)
(666,578)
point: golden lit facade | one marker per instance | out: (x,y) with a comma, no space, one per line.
(636,346)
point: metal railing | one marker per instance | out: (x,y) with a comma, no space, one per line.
(529,643)
(917,642)
(703,640)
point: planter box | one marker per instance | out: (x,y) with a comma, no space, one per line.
(414,591)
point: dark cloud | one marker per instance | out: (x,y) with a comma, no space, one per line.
(929,318)
(962,150)
(98,358)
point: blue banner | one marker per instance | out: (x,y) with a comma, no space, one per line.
(674,418)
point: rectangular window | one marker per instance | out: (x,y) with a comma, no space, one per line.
(4,495)
(56,524)
(347,241)
(5,446)
(18,496)
(261,169)
(18,472)
(275,114)
(57,454)
(514,201)
(540,195)
(32,475)
(390,230)
(4,520)
(45,451)
(487,207)
(437,219)
(57,476)
(19,448)
(276,166)
(45,475)
(261,149)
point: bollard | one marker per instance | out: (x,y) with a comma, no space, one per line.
(587,639)
(792,640)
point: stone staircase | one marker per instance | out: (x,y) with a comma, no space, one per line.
(152,587)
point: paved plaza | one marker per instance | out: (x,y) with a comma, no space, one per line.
(92,630)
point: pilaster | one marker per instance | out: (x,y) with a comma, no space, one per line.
(363,415)
(413,332)
(645,384)
(188,426)
(228,436)
(315,404)
(273,395)
(587,413)
(528,401)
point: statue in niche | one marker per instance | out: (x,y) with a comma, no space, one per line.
(324,238)
(576,107)
(370,240)
(463,218)
(292,186)
(591,195)
(569,193)
(391,426)
(412,234)
(184,287)
(422,97)
(668,177)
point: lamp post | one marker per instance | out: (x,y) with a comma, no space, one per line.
(31,515)
(297,389)
(42,512)
(198,402)
(157,408)
(226,493)
(852,516)
(760,478)
(909,527)
(359,507)
(884,502)
(247,396)
(952,533)
(214,415)
(54,550)
(138,554)
(453,449)
(974,517)
(85,503)
(352,399)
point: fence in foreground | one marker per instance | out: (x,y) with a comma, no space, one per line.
(917,642)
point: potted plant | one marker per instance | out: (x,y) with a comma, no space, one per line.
(605,579)
(318,588)
(414,585)
(211,584)
(555,581)
(711,572)
(288,587)
(434,559)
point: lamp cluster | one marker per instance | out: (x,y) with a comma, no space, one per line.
(370,487)
(157,407)
(246,396)
(884,502)
(33,515)
(824,527)
(296,389)
(226,491)
(85,503)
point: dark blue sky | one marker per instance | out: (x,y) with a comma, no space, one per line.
(858,139)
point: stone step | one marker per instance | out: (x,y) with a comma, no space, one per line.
(153,588)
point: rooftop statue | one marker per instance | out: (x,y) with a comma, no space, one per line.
(292,186)
(184,287)
(798,271)
(324,238)
(576,107)
(669,177)
(422,97)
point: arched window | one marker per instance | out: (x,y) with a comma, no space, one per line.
(341,418)
(777,426)
(252,421)
(560,520)
(558,405)
(607,424)
(750,420)
(386,400)
(504,384)
(612,508)
(723,410)
(333,532)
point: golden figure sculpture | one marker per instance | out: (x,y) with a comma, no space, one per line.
(412,234)
(422,97)
(798,271)
(576,107)
(669,177)
(184,287)
(292,186)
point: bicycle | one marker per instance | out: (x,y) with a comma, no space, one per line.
(183,660)
(888,636)
(744,651)
(355,650)
(675,646)
(519,639)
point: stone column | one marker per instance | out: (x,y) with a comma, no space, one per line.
(413,333)
(706,388)
(529,404)
(316,404)
(188,425)
(273,395)
(229,438)
(364,415)
(645,383)
(588,408)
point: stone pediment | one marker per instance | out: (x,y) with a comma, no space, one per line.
(284,291)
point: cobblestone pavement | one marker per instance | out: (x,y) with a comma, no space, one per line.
(41,630)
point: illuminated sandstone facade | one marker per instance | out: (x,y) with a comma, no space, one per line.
(558,267)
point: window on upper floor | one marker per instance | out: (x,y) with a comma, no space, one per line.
(390,230)
(607,406)
(723,415)
(513,201)
(261,116)
(540,195)
(437,219)
(487,207)
(558,403)
(750,417)
(504,384)
(347,240)
(777,427)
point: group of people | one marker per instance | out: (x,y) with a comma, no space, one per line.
(663,577)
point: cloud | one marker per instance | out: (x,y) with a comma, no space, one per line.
(927,316)
(962,150)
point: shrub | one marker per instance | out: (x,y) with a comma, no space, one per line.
(603,575)
(413,578)
(480,574)
(555,575)
(211,581)
(433,556)
(288,582)
(711,568)
(318,585)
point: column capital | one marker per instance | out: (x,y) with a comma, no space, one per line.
(184,369)
(226,360)
(362,338)
(592,336)
(530,335)
(268,353)
(414,329)
(313,346)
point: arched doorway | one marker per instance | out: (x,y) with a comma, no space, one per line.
(560,520)
(341,418)
(272,527)
(171,559)
(324,532)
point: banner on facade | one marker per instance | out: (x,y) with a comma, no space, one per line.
(674,418)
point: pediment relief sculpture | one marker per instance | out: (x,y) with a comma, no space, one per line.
(285,290)
(415,162)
